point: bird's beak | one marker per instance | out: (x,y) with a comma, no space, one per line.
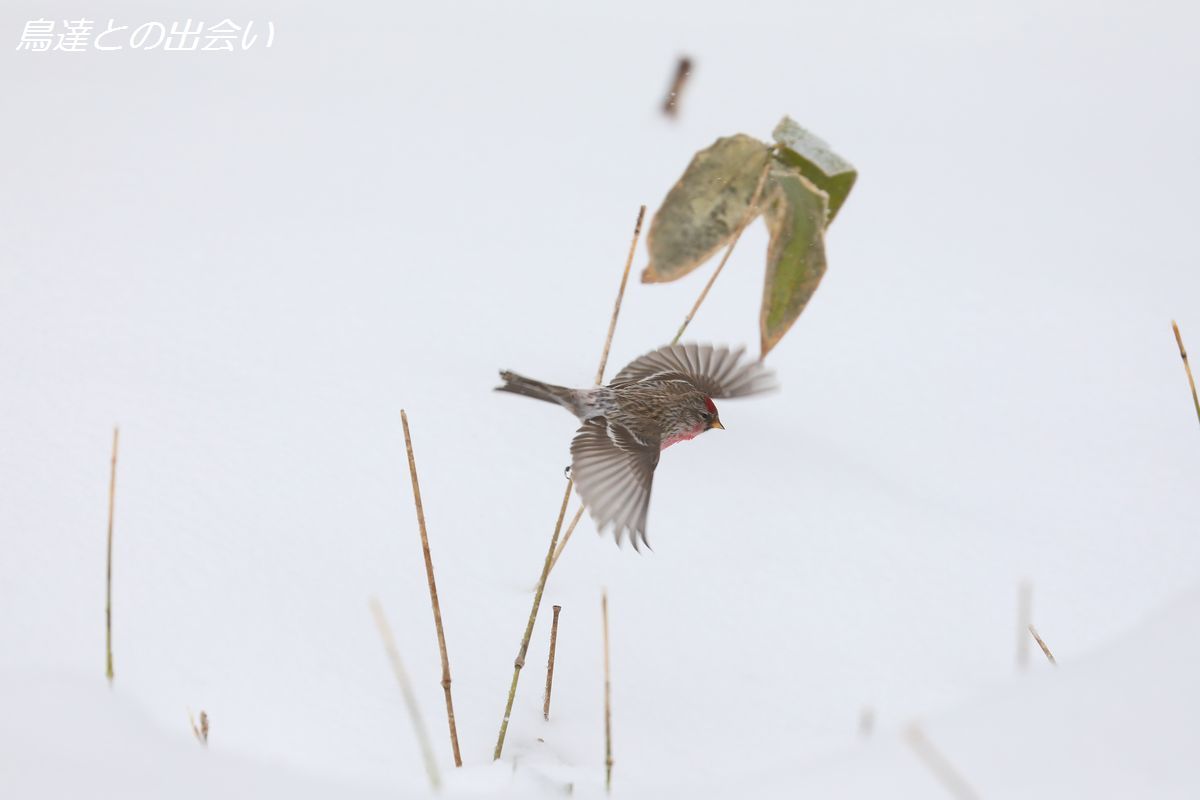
(716,423)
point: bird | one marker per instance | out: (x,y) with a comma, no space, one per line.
(661,398)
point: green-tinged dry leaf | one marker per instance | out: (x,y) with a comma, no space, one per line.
(810,155)
(795,210)
(704,209)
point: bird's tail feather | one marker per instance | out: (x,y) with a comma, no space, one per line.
(519,384)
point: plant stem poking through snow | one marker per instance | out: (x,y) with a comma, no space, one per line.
(433,596)
(541,585)
(200,731)
(112,499)
(550,663)
(410,700)
(1187,367)
(537,602)
(751,213)
(608,759)
(939,765)
(1024,618)
(866,722)
(1049,656)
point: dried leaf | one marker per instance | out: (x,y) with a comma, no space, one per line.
(705,208)
(814,159)
(795,210)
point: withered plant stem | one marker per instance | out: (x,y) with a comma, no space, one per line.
(866,721)
(541,585)
(112,502)
(608,757)
(567,536)
(1042,644)
(537,602)
(1187,367)
(683,69)
(433,595)
(939,765)
(612,323)
(410,700)
(199,731)
(1024,616)
(550,663)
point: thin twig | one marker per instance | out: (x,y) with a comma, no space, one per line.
(433,595)
(200,731)
(612,323)
(567,536)
(1024,615)
(866,721)
(612,326)
(608,759)
(747,218)
(939,765)
(1187,367)
(1042,644)
(112,500)
(683,69)
(410,700)
(537,602)
(541,585)
(550,663)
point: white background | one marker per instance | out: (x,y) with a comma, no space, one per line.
(251,261)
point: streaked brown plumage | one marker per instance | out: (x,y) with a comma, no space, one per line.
(660,399)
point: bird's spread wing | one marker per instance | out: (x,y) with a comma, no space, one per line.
(713,370)
(613,470)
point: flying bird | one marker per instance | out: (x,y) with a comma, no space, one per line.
(660,399)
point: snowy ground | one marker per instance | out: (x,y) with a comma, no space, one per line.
(252,261)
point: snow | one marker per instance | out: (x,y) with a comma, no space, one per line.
(252,262)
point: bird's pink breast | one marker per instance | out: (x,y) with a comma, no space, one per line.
(681,437)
